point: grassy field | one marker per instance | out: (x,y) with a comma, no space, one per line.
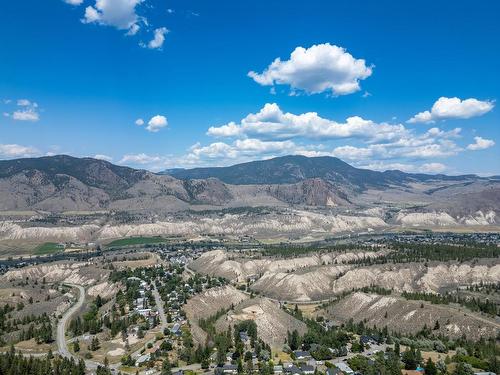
(136,241)
(133,264)
(31,347)
(48,248)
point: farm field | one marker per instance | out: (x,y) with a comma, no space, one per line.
(131,241)
(48,248)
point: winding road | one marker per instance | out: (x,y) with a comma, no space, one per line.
(62,345)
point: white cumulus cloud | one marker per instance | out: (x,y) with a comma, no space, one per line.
(26,103)
(320,68)
(139,122)
(103,157)
(431,168)
(15,150)
(158,38)
(480,144)
(240,150)
(73,2)
(26,115)
(26,111)
(120,14)
(272,123)
(270,131)
(453,108)
(156,123)
(141,158)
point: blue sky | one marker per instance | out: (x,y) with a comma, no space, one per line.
(380,84)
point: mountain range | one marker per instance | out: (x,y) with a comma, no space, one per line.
(295,168)
(64,183)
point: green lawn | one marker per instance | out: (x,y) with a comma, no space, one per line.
(48,248)
(135,241)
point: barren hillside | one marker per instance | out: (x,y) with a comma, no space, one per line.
(324,195)
(222,263)
(320,277)
(273,323)
(401,315)
(85,274)
(320,283)
(207,304)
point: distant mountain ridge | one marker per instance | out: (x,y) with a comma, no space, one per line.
(92,172)
(65,183)
(295,168)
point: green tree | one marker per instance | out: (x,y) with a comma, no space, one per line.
(409,358)
(166,368)
(463,369)
(94,344)
(430,367)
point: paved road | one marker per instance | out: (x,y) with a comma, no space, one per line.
(62,345)
(163,324)
(193,367)
(61,325)
(159,306)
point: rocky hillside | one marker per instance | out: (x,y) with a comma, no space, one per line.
(406,316)
(208,304)
(332,196)
(221,263)
(273,323)
(65,183)
(320,283)
(292,224)
(321,277)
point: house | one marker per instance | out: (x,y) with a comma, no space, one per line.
(144,312)
(244,337)
(293,370)
(344,368)
(278,369)
(302,355)
(334,371)
(365,340)
(142,359)
(176,329)
(139,303)
(307,369)
(312,362)
(230,369)
(330,324)
(340,352)
(252,278)
(265,355)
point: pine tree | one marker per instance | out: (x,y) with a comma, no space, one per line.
(436,325)
(430,367)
